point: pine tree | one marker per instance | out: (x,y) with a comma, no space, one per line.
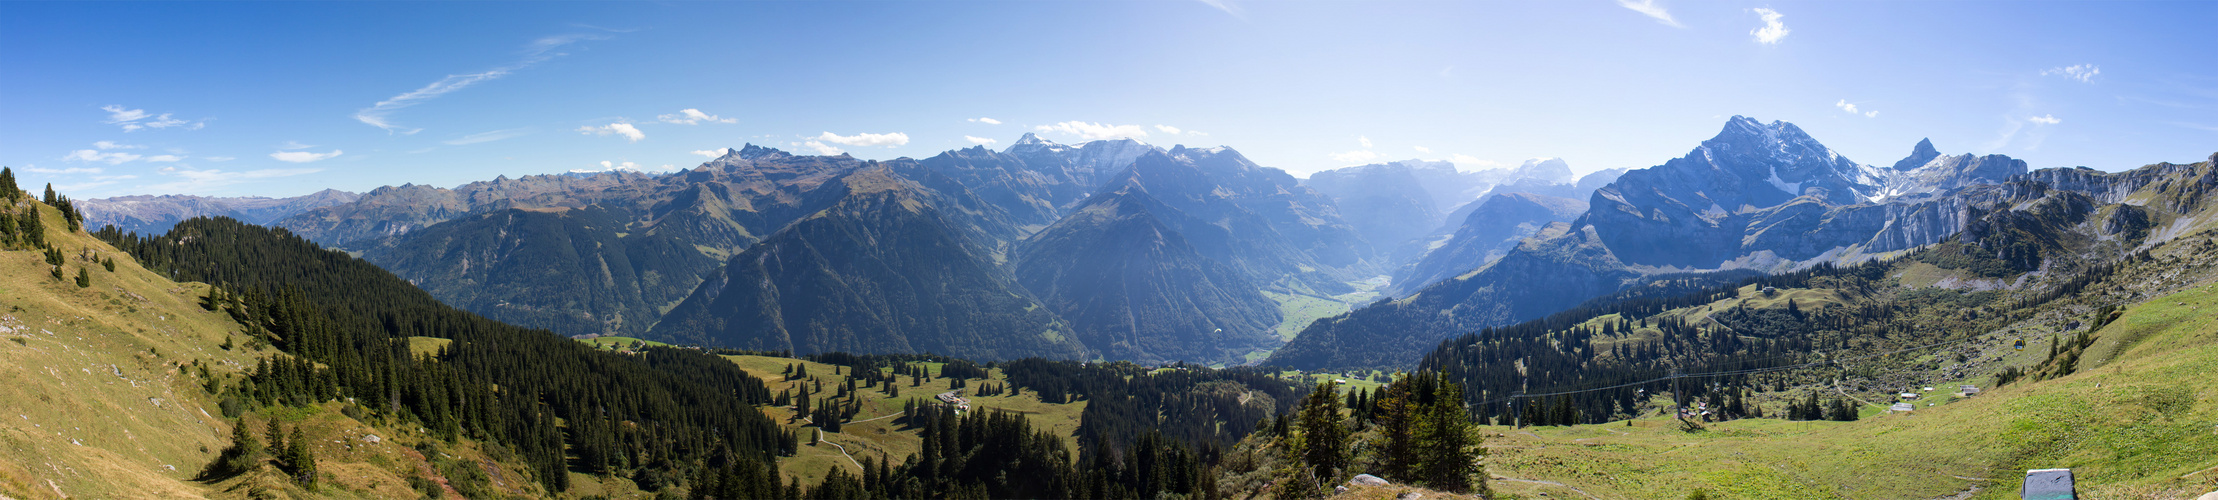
(1324,437)
(84,278)
(8,189)
(1446,452)
(1397,431)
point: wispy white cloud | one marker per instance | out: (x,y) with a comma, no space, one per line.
(1476,163)
(982,141)
(117,114)
(865,139)
(624,129)
(219,158)
(304,156)
(134,119)
(190,180)
(487,136)
(690,116)
(164,159)
(1421,149)
(988,121)
(819,147)
(1363,139)
(1773,30)
(1227,6)
(1096,131)
(62,171)
(111,158)
(538,51)
(1650,9)
(112,145)
(1851,109)
(2045,120)
(1357,156)
(294,145)
(714,153)
(1167,129)
(2082,72)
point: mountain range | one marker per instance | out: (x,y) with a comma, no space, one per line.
(156,214)
(1757,197)
(1117,249)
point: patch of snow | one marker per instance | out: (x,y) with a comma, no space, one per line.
(1792,189)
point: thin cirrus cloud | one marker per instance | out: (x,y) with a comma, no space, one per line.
(1650,9)
(1096,131)
(380,115)
(304,156)
(1357,156)
(865,139)
(982,141)
(2046,120)
(623,129)
(988,121)
(114,145)
(1773,30)
(1227,6)
(62,171)
(189,180)
(97,156)
(2085,73)
(1851,109)
(487,137)
(133,120)
(690,116)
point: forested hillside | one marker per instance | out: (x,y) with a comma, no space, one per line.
(561,406)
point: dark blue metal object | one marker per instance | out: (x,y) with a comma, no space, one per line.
(2048,484)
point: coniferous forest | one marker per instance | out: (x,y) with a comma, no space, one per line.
(345,325)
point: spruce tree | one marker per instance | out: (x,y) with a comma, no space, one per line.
(1397,431)
(1446,452)
(1324,437)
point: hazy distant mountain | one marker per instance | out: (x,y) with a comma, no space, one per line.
(1757,196)
(147,214)
(571,271)
(1385,202)
(1133,288)
(1090,165)
(1489,232)
(888,268)
(1257,220)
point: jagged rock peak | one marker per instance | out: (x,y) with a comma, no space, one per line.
(753,152)
(1919,156)
(1547,169)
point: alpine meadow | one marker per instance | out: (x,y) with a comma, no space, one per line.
(1093,249)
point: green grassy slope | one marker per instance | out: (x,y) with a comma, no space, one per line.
(880,435)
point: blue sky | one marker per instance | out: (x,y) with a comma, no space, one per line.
(280,99)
